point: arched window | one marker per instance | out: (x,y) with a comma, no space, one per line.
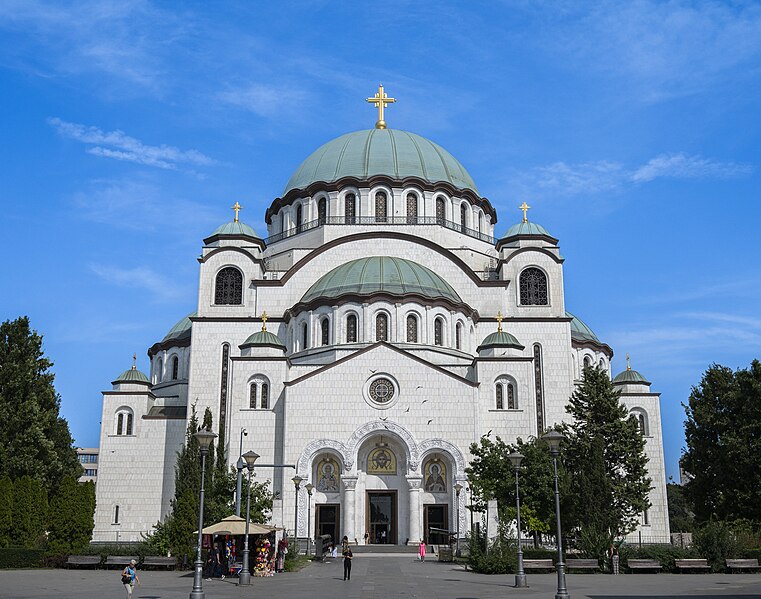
(441,211)
(223,383)
(116,514)
(228,290)
(124,421)
(641,417)
(505,389)
(533,287)
(351,328)
(458,336)
(381,207)
(304,336)
(322,211)
(265,403)
(299,218)
(438,332)
(259,390)
(325,331)
(159,370)
(480,222)
(175,368)
(350,209)
(500,397)
(411,209)
(411,328)
(463,218)
(539,387)
(381,327)
(252,396)
(282,222)
(511,403)
(587,362)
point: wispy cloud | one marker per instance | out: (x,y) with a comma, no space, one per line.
(118,145)
(160,287)
(264,99)
(564,179)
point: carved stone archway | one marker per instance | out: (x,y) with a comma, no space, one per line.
(387,428)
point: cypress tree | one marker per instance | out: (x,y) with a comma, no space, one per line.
(6,511)
(71,521)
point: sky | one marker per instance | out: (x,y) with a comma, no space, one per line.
(632,128)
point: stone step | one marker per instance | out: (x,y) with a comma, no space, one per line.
(384,548)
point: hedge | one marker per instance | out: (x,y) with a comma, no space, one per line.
(18,557)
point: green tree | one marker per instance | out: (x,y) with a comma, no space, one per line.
(34,439)
(29,511)
(723,438)
(681,515)
(71,521)
(606,462)
(6,511)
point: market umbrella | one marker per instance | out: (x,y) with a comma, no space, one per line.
(235,525)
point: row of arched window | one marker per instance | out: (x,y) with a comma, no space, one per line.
(382,331)
(124,422)
(462,212)
(174,369)
(259,394)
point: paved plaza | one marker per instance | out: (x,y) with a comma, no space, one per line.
(376,577)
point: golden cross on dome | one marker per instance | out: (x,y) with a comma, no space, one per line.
(237,208)
(264,318)
(628,366)
(525,207)
(381,100)
(500,318)
(134,361)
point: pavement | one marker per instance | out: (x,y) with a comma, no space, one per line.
(377,577)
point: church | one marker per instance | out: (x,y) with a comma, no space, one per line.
(380,327)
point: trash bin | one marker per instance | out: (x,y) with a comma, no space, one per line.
(445,554)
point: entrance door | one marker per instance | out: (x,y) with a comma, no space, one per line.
(436,517)
(381,517)
(327,520)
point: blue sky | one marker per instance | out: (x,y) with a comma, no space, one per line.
(631,128)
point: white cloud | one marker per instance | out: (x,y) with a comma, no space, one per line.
(124,147)
(263,99)
(682,166)
(141,277)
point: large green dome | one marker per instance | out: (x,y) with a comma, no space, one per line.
(391,152)
(395,276)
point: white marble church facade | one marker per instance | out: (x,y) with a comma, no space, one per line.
(381,361)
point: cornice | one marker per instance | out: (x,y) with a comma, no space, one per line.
(228,248)
(523,250)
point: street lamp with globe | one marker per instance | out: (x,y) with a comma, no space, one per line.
(205,439)
(554,438)
(244,577)
(520,577)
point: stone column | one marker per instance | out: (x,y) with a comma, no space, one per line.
(415,482)
(350,483)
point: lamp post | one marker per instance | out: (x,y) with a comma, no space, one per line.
(240,465)
(204,439)
(309,487)
(245,574)
(297,484)
(457,488)
(554,439)
(520,577)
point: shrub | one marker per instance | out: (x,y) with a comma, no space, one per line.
(663,554)
(716,541)
(18,557)
(501,557)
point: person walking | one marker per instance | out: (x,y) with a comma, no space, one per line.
(422,550)
(129,577)
(348,556)
(614,558)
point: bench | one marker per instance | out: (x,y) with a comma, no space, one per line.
(582,564)
(742,564)
(692,564)
(643,564)
(83,560)
(538,564)
(119,560)
(160,561)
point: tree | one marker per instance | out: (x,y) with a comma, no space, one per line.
(723,438)
(606,462)
(34,439)
(29,511)
(71,518)
(681,515)
(6,511)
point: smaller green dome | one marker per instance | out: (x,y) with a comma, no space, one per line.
(500,339)
(133,375)
(630,376)
(181,330)
(235,229)
(263,338)
(526,228)
(580,331)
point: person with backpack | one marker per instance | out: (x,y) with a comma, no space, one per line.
(348,556)
(129,577)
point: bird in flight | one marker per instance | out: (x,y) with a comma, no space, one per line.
(431,420)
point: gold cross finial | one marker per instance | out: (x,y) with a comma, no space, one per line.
(525,207)
(134,361)
(237,208)
(264,318)
(381,100)
(628,366)
(500,318)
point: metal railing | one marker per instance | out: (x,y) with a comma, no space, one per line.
(381,220)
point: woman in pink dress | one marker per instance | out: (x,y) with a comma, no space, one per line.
(422,550)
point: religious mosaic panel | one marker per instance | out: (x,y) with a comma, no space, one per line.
(328,475)
(435,476)
(381,460)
